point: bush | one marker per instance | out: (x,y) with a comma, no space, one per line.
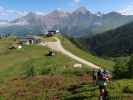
(128,89)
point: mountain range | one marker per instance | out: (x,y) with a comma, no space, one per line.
(80,22)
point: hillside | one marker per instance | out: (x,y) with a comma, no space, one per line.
(30,74)
(117,42)
(13,62)
(70,46)
(15,59)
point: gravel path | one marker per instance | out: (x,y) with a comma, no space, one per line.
(57,46)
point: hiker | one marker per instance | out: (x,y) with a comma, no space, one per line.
(102,79)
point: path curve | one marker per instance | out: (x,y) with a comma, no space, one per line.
(57,46)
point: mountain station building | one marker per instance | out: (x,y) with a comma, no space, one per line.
(29,40)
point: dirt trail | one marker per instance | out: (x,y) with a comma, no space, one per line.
(57,46)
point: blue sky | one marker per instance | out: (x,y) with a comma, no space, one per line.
(10,9)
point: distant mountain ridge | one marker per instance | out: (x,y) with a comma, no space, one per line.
(80,22)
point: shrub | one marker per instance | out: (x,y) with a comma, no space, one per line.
(128,89)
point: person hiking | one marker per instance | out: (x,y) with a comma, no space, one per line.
(102,78)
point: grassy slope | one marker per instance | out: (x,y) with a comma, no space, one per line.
(86,55)
(13,63)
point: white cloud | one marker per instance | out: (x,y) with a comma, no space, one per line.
(127,10)
(75,4)
(40,13)
(59,9)
(9,14)
(77,1)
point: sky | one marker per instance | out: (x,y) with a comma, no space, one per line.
(11,9)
